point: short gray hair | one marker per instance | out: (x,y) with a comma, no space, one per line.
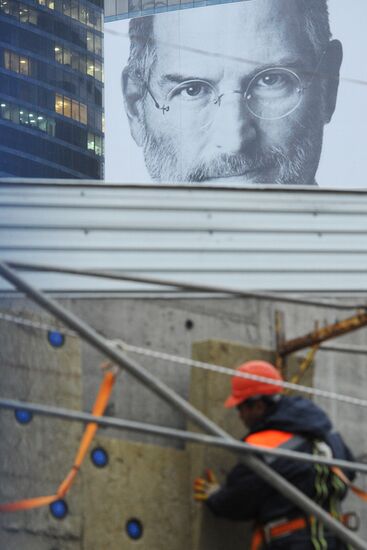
(316,15)
(142,50)
(141,47)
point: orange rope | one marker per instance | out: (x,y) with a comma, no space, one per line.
(27,504)
(89,433)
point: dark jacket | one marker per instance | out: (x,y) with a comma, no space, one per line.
(245,496)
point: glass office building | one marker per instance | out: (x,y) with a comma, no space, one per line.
(51,88)
(127,9)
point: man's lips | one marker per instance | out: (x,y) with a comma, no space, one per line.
(250,176)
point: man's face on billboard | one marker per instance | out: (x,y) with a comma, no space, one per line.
(238,100)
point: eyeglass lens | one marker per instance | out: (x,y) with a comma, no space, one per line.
(271,94)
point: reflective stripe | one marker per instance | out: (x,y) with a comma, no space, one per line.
(275,438)
(269,438)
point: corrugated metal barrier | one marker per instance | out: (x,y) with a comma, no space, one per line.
(286,239)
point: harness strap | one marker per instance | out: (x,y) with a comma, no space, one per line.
(276,529)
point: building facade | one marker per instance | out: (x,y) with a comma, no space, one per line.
(51,89)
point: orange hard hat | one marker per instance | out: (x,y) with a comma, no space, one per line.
(244,388)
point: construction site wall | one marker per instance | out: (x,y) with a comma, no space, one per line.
(147,477)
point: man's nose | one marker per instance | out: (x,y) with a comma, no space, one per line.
(233,126)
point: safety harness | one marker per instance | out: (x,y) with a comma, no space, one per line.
(330,487)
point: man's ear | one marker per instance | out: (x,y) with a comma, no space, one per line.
(132,91)
(331,68)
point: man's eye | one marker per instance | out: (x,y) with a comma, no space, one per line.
(191,90)
(272,80)
(274,85)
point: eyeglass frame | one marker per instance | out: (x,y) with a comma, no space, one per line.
(244,94)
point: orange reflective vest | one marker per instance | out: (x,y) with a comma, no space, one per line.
(273,439)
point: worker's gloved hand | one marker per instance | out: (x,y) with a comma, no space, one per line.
(205,486)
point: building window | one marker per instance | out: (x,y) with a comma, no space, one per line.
(71,108)
(90,67)
(76,10)
(20,115)
(24,65)
(83,14)
(59,104)
(5,7)
(67,107)
(66,8)
(95,144)
(94,19)
(75,114)
(83,113)
(75,61)
(78,62)
(98,71)
(98,45)
(90,41)
(27,15)
(50,4)
(8,7)
(59,54)
(94,43)
(21,12)
(17,63)
(94,68)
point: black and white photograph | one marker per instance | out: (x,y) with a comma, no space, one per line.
(252,92)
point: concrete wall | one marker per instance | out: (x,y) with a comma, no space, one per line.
(173,326)
(35,457)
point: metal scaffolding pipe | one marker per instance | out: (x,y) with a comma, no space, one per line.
(345,348)
(195,287)
(172,433)
(322,334)
(260,468)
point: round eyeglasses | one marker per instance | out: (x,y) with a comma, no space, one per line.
(271,94)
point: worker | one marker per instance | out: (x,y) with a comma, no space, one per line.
(283,422)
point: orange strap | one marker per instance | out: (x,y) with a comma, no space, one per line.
(89,433)
(269,438)
(98,409)
(356,490)
(284,528)
(27,504)
(258,538)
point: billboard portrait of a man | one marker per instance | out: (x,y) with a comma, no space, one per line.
(233,93)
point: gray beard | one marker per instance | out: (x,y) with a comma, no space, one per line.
(293,167)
